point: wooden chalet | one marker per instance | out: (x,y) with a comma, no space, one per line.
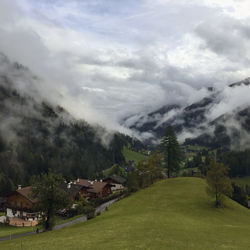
(99,189)
(85,185)
(21,204)
(73,190)
(94,189)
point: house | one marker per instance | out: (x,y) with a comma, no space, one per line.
(116,181)
(94,189)
(72,189)
(85,185)
(99,189)
(21,204)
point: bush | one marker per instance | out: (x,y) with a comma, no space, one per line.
(81,207)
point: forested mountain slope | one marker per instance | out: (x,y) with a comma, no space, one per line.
(220,119)
(36,135)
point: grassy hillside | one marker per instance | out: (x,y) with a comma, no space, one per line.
(242,181)
(132,155)
(10,230)
(171,214)
(6,231)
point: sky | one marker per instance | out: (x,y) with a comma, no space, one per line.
(116,58)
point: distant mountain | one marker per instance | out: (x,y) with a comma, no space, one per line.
(222,118)
(36,135)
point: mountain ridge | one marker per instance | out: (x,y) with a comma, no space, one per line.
(200,117)
(36,135)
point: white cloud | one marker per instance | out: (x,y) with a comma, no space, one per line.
(122,58)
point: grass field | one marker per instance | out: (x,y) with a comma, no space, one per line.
(132,155)
(171,214)
(10,230)
(242,181)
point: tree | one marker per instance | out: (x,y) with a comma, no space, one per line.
(239,195)
(219,184)
(171,150)
(132,182)
(155,166)
(6,185)
(143,174)
(117,170)
(46,188)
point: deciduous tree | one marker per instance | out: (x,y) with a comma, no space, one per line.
(219,184)
(46,188)
(155,166)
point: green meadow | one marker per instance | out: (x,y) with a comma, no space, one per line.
(10,230)
(171,214)
(242,180)
(132,155)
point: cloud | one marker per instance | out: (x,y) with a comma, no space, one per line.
(228,38)
(229,100)
(114,59)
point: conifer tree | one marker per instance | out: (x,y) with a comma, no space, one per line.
(171,151)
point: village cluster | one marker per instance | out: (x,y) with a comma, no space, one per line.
(19,206)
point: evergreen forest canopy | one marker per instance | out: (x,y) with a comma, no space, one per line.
(36,136)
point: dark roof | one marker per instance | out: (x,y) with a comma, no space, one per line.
(97,187)
(74,188)
(27,193)
(116,178)
(83,182)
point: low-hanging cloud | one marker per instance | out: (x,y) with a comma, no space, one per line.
(104,67)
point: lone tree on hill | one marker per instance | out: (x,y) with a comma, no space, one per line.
(155,166)
(219,184)
(46,188)
(171,151)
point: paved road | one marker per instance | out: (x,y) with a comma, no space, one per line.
(104,206)
(80,219)
(98,210)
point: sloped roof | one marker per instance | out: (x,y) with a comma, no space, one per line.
(27,193)
(116,179)
(97,187)
(83,182)
(74,188)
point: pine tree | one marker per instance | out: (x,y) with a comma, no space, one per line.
(171,150)
(219,184)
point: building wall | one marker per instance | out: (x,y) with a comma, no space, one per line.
(9,213)
(106,191)
(83,192)
(116,186)
(18,201)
